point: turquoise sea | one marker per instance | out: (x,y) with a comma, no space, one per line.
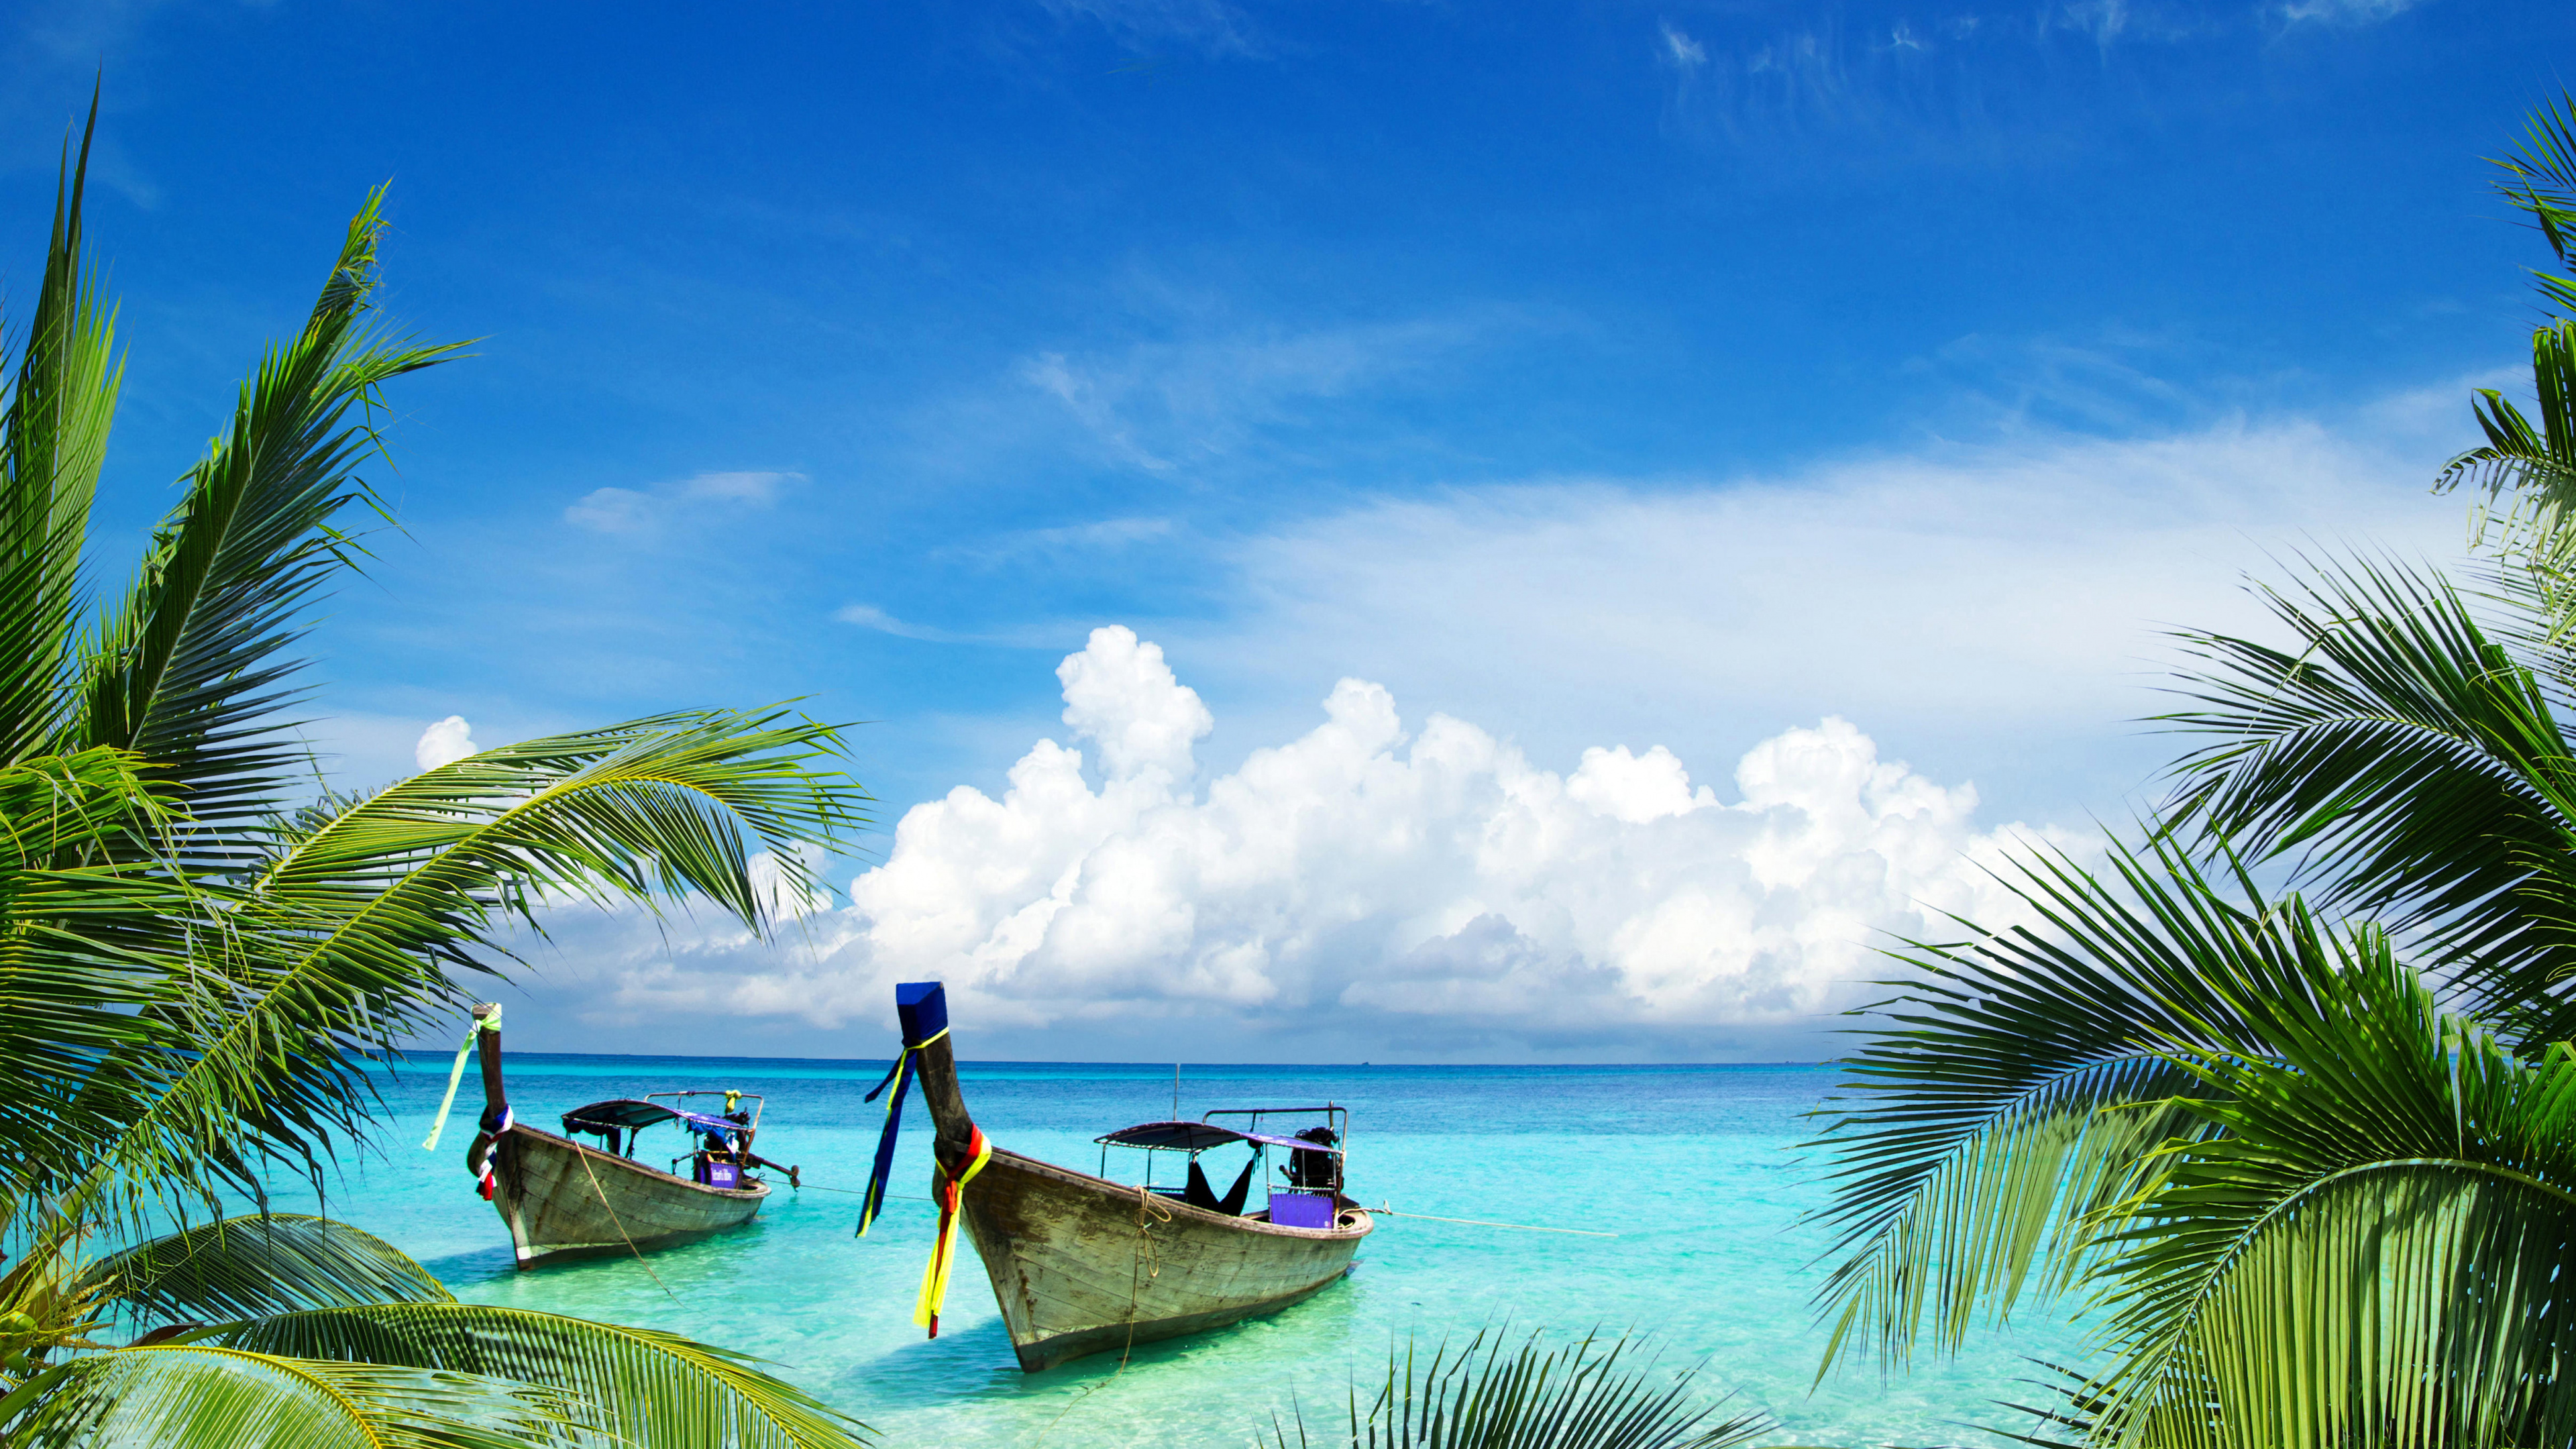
(1695,1169)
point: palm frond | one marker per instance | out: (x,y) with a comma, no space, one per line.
(2411,763)
(1594,1393)
(188,668)
(2371,1247)
(2018,1083)
(184,1396)
(646,1387)
(61,397)
(83,956)
(2537,465)
(2542,185)
(346,936)
(249,1266)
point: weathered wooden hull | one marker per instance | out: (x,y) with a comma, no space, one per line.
(1082,1265)
(560,1198)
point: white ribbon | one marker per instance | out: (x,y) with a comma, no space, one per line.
(456,1074)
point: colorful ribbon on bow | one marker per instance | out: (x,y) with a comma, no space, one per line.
(899,1076)
(456,1074)
(943,1248)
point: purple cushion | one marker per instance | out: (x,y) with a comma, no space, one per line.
(1301,1210)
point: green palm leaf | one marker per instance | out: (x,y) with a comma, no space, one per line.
(2018,1083)
(2542,185)
(648,1388)
(81,961)
(2413,763)
(61,397)
(187,668)
(344,936)
(1592,1394)
(2538,464)
(2372,1245)
(205,1394)
(245,1267)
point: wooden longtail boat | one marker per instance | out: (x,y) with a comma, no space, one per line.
(1081,1264)
(562,1198)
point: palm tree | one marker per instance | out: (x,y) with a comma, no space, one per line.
(2298,1152)
(192,966)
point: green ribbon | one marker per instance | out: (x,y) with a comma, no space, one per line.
(456,1074)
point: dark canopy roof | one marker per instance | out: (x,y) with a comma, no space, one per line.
(626,1112)
(1200,1136)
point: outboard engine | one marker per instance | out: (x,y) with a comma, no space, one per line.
(1315,1171)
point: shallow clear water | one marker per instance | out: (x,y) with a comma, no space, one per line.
(1694,1169)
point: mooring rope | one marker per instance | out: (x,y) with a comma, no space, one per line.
(620,1224)
(1145,1204)
(1481,1223)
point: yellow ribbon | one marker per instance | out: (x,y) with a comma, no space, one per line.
(456,1074)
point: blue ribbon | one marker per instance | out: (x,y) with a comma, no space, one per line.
(901,1079)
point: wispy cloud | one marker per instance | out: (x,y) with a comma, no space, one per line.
(869,616)
(1211,27)
(1038,636)
(1101,535)
(1680,51)
(630,511)
(2009,592)
(1163,406)
(1964,86)
(2346,12)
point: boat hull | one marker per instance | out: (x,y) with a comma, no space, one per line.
(561,1199)
(1082,1265)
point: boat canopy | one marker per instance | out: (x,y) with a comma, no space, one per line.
(626,1114)
(1199,1136)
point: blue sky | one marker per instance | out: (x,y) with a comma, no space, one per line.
(1601,376)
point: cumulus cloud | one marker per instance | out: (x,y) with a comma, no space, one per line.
(1425,888)
(444,743)
(633,511)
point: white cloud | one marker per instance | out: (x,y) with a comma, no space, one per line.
(1161,406)
(629,511)
(756,488)
(611,510)
(1682,51)
(1999,605)
(2346,12)
(1211,26)
(869,616)
(444,743)
(1416,888)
